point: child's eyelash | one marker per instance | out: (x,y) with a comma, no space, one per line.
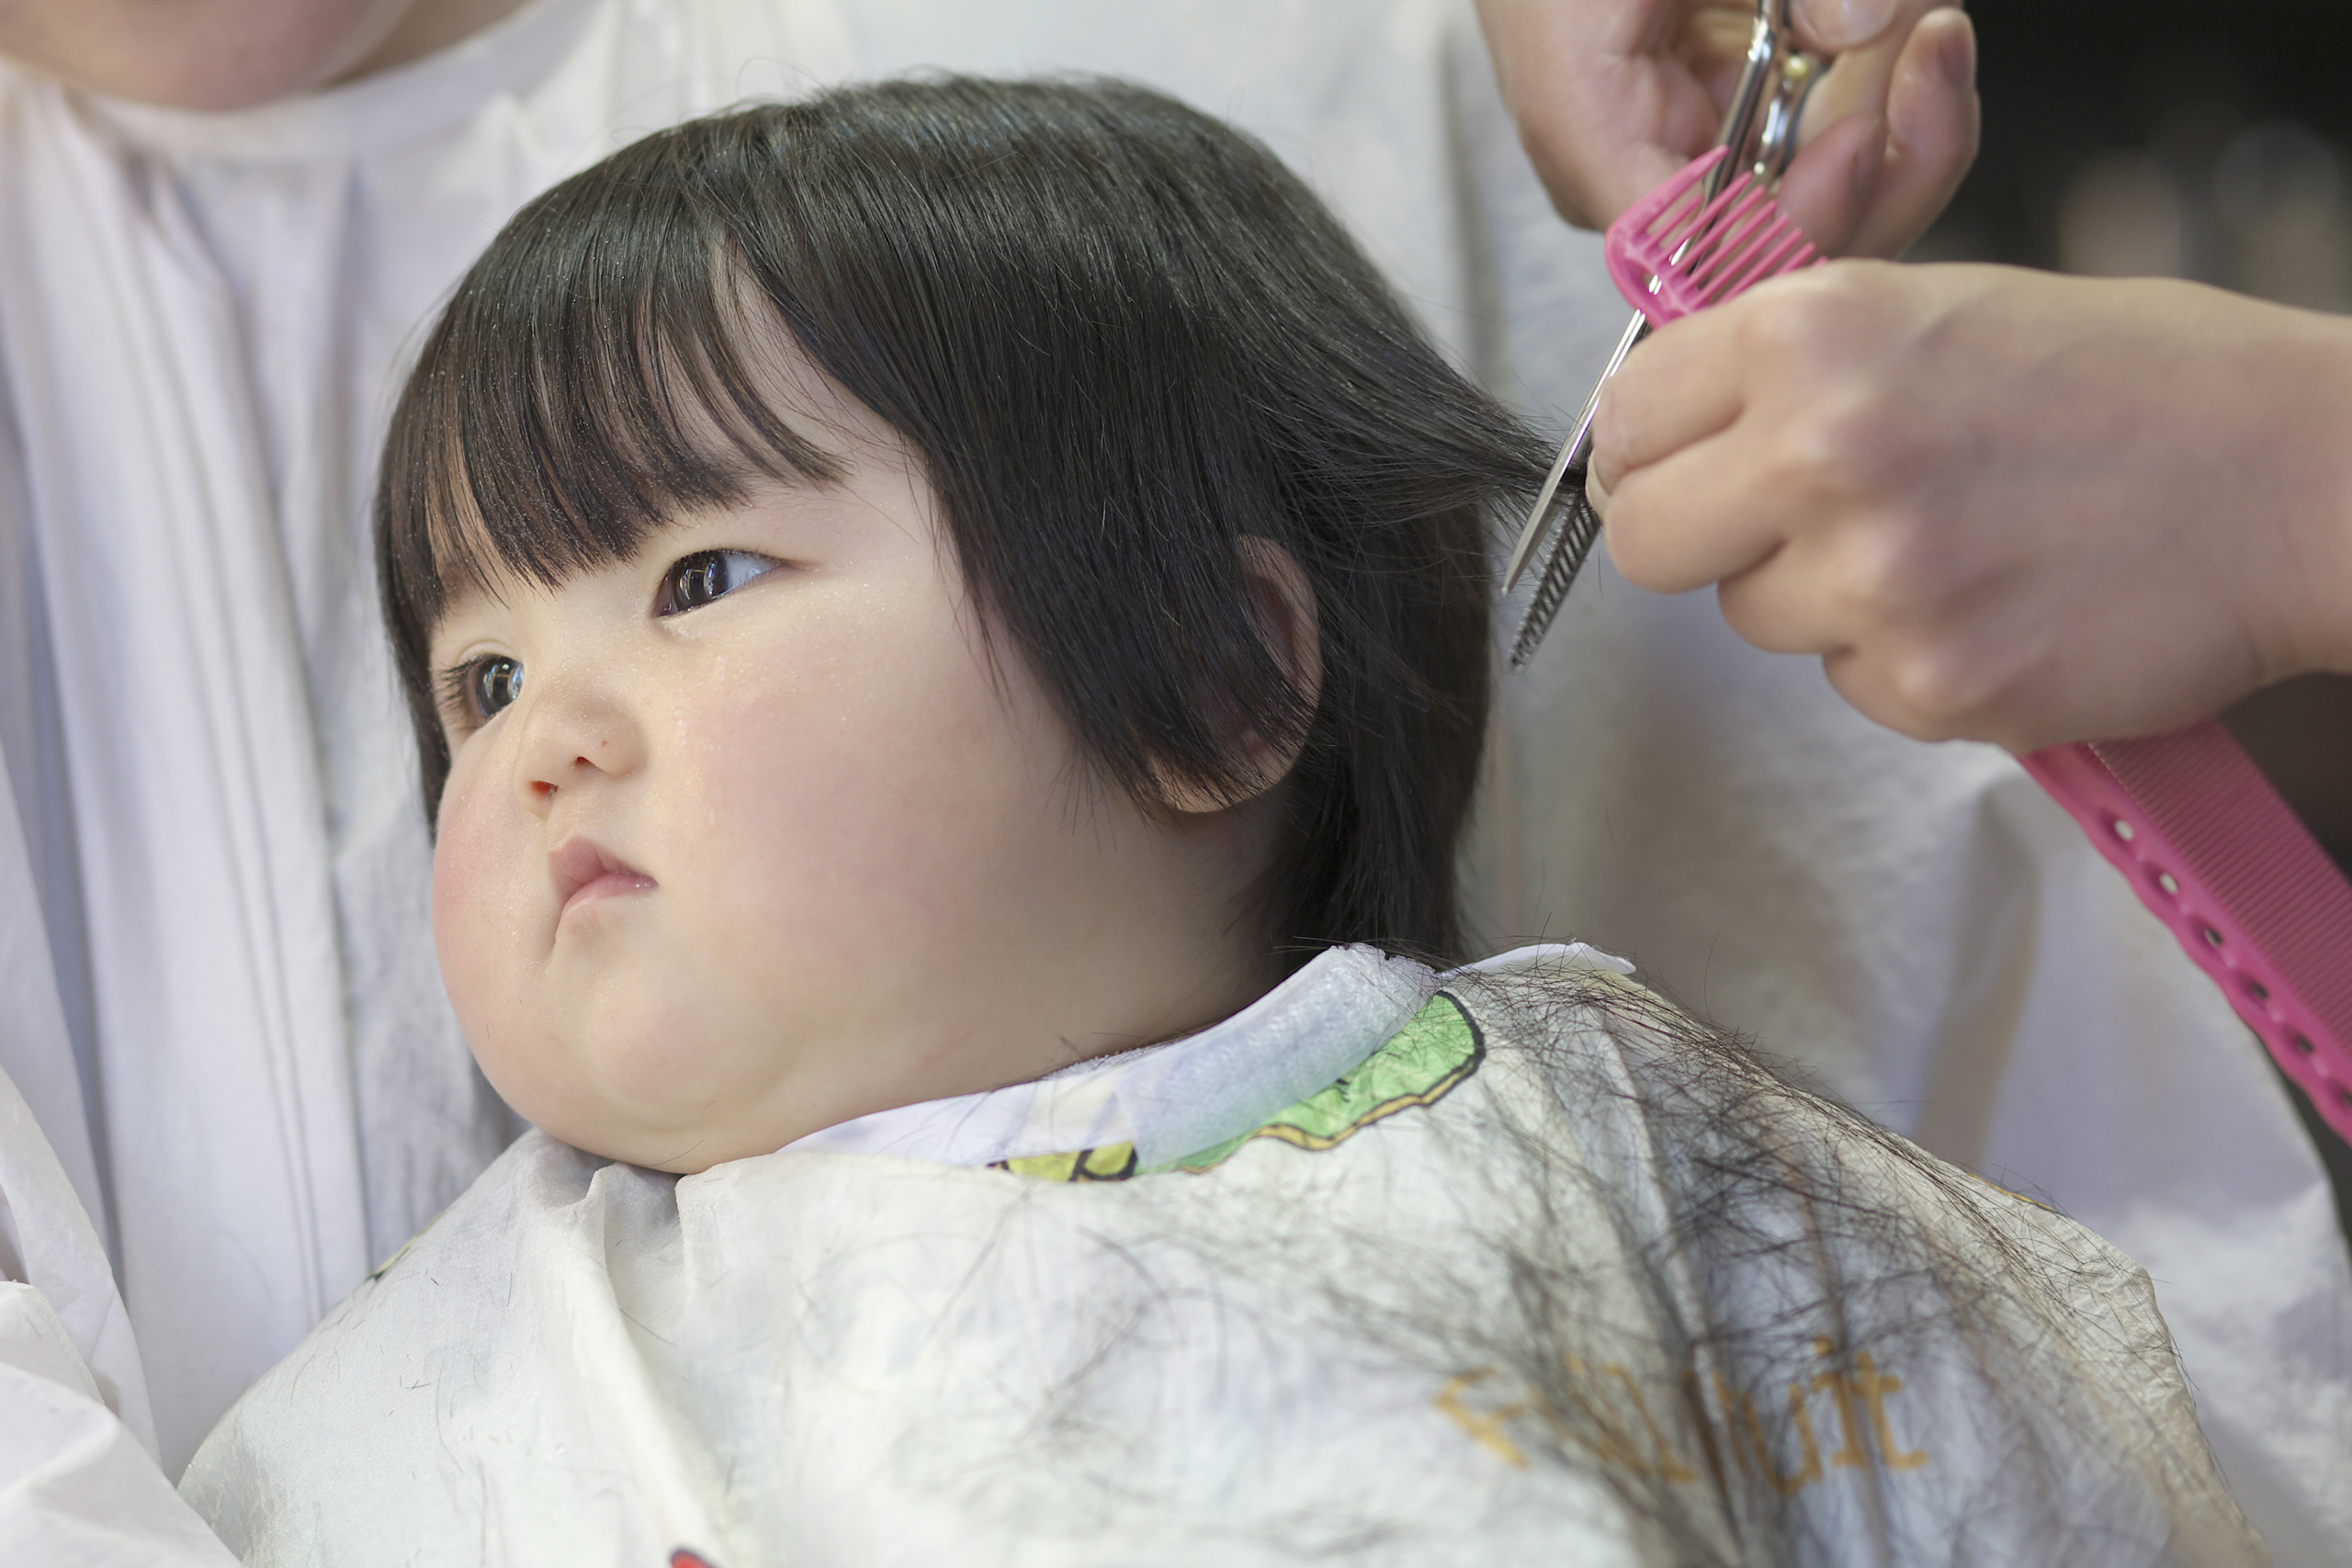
(454,688)
(462,689)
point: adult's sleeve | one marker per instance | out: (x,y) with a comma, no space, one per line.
(79,1481)
(80,1487)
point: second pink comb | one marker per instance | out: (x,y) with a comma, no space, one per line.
(1699,240)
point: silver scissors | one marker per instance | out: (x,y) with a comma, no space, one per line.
(1761,127)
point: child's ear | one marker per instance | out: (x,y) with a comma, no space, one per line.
(1281,604)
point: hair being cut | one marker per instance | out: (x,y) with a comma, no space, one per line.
(1122,337)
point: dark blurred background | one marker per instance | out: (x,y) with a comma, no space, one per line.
(2133,137)
(2136,138)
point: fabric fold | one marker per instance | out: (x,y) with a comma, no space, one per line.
(188,736)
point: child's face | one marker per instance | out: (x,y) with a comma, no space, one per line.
(761,838)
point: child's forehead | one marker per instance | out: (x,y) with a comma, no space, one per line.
(780,375)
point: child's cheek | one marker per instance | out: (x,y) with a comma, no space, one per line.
(469,907)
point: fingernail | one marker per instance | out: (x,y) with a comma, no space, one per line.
(1869,158)
(1837,24)
(1958,54)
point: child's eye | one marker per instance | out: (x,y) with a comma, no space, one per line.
(708,575)
(496,683)
(479,689)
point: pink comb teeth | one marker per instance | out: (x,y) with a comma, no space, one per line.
(1678,250)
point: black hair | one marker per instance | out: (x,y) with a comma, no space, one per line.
(1122,337)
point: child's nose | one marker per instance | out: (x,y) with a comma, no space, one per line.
(575,735)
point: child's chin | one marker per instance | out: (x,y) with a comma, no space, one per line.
(619,1130)
(682,1154)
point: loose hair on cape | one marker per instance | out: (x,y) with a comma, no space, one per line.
(1690,1283)
(1123,340)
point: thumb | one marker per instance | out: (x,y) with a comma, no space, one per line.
(1833,27)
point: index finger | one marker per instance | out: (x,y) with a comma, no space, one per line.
(1681,385)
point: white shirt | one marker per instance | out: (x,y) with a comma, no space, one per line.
(219,1000)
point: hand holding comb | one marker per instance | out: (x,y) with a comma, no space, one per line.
(2207,844)
(1698,240)
(1757,141)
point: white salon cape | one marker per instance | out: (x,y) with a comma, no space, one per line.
(1364,1273)
(217,995)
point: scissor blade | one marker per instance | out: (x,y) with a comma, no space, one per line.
(1539,522)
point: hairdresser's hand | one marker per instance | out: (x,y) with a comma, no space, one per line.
(2001,504)
(1610,97)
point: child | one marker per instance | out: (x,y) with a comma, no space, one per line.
(947,625)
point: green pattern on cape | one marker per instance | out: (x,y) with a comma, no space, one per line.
(1417,1065)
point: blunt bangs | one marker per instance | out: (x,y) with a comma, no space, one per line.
(1121,338)
(588,379)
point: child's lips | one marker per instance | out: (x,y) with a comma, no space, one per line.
(585,872)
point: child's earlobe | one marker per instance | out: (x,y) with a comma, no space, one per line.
(1282,606)
(1282,603)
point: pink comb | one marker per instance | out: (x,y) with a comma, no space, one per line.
(1679,250)
(2221,859)
(2187,817)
